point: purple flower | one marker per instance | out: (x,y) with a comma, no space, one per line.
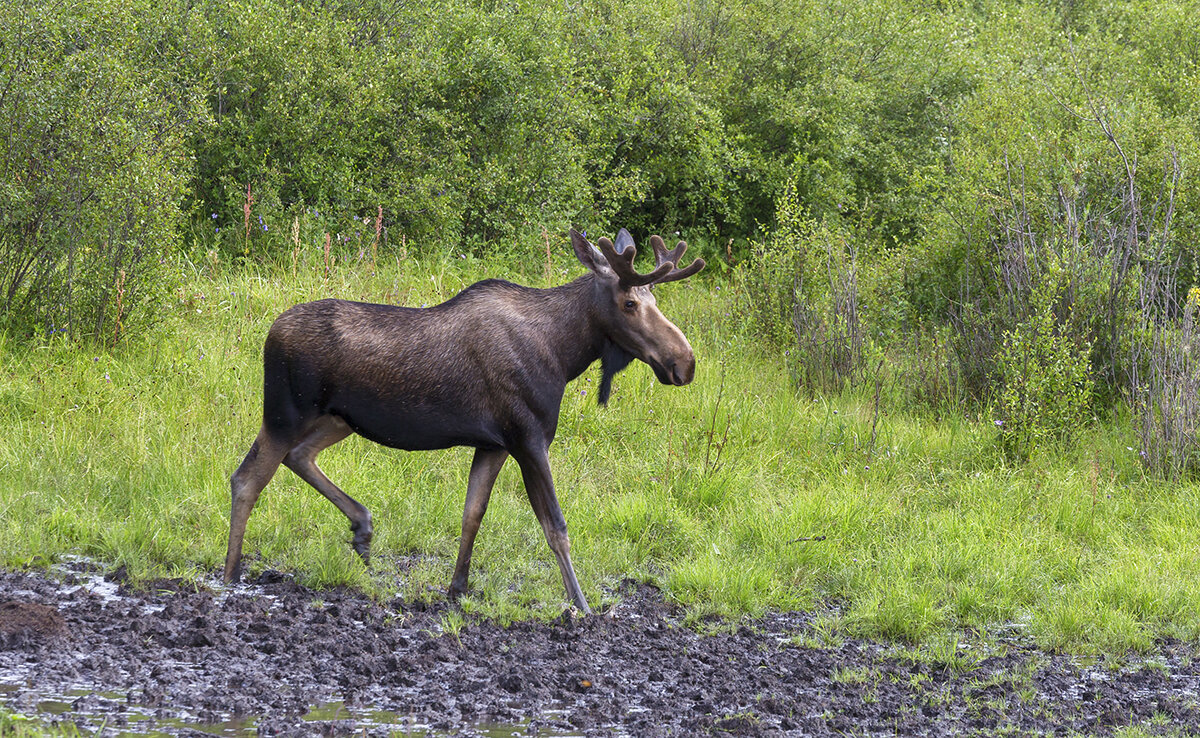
(999,423)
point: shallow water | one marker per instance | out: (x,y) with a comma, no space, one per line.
(140,720)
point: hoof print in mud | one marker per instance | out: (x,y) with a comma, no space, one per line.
(510,683)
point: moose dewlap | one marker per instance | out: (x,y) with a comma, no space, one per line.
(487,369)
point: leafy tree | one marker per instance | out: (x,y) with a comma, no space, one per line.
(93,164)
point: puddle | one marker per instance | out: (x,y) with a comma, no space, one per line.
(110,714)
(87,575)
(365,718)
(235,728)
(99,712)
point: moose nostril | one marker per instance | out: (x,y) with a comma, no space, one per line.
(688,372)
(680,374)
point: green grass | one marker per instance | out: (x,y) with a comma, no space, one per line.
(124,456)
(14,725)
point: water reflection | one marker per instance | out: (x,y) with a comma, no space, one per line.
(110,714)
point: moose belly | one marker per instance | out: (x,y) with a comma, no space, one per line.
(421,430)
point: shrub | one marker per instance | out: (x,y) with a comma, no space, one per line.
(94,165)
(1061,175)
(801,288)
(1165,391)
(1045,391)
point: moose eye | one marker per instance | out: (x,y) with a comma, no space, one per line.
(630,304)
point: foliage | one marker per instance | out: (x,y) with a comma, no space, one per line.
(92,164)
(1046,387)
(17,725)
(1165,391)
(801,288)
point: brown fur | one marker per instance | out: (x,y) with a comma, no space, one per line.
(486,368)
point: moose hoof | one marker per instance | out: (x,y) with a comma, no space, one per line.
(362,541)
(363,549)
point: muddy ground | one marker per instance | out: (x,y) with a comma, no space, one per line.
(273,658)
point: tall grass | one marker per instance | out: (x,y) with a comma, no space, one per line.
(732,494)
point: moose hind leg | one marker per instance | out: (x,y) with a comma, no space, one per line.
(302,459)
(246,485)
(484,469)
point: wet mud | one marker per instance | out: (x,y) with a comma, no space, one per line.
(274,658)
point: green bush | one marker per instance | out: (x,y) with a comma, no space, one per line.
(1045,394)
(483,124)
(94,164)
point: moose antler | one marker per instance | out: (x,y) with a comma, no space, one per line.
(621,261)
(662,256)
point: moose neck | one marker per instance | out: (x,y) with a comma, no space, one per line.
(575,330)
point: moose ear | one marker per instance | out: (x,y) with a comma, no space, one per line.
(624,241)
(588,254)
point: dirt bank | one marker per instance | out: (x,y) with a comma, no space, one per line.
(274,658)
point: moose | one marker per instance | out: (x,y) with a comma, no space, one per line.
(487,369)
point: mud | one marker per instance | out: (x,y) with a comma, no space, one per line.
(273,658)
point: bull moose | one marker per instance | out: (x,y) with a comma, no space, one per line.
(487,369)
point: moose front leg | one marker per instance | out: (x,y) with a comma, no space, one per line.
(539,485)
(484,469)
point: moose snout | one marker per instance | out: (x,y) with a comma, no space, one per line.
(682,371)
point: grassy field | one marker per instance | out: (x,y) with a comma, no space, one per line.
(916,528)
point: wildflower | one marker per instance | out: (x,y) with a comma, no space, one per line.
(214,216)
(998,423)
